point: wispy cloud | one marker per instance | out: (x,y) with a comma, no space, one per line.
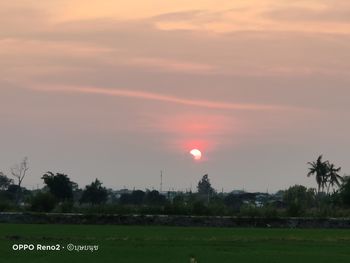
(324,14)
(160,97)
(171,65)
(176,16)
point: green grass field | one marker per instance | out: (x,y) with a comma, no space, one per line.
(174,244)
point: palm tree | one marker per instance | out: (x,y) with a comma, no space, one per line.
(320,170)
(333,176)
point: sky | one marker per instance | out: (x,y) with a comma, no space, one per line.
(120,90)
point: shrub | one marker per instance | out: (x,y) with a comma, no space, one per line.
(250,210)
(295,209)
(345,191)
(4,206)
(65,207)
(199,208)
(94,193)
(270,212)
(43,202)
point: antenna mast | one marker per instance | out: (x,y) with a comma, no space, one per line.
(161,181)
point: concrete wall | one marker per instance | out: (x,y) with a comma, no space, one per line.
(210,221)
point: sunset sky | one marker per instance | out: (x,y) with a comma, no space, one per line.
(119,90)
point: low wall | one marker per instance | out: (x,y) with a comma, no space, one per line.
(209,221)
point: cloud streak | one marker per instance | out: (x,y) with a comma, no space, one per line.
(171,65)
(160,97)
(331,13)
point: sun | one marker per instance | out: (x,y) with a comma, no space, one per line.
(197,155)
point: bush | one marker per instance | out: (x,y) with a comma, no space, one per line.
(295,209)
(155,198)
(233,201)
(94,193)
(135,198)
(43,202)
(298,198)
(65,207)
(199,208)
(270,212)
(217,209)
(250,210)
(345,191)
(176,209)
(4,206)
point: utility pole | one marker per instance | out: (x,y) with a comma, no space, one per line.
(161,181)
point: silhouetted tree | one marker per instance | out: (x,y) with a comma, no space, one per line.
(94,193)
(345,191)
(42,202)
(8,190)
(12,191)
(298,198)
(59,185)
(154,198)
(19,171)
(233,201)
(137,197)
(5,182)
(320,170)
(204,187)
(199,208)
(333,177)
(326,174)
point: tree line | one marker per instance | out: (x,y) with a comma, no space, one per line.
(331,197)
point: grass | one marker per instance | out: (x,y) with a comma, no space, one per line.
(124,244)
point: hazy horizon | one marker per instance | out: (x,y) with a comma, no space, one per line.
(122,90)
